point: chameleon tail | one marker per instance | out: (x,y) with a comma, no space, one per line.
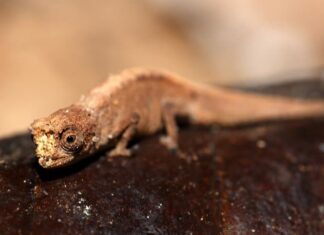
(230,107)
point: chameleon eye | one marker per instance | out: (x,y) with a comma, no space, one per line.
(71,141)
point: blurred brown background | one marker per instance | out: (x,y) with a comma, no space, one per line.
(54,51)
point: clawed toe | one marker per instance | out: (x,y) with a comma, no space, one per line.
(169,143)
(120,153)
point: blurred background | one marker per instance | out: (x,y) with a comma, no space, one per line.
(52,52)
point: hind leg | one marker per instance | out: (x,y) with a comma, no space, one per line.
(170,140)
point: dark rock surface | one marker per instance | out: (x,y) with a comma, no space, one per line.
(258,179)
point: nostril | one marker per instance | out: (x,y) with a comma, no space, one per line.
(32,137)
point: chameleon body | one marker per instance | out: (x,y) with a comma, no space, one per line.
(141,102)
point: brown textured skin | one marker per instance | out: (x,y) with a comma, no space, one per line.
(141,102)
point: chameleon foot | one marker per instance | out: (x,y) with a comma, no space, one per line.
(168,142)
(120,153)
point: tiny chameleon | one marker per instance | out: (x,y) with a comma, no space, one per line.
(142,102)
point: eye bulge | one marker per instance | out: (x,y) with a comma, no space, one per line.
(72,140)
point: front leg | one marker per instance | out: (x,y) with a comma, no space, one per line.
(121,149)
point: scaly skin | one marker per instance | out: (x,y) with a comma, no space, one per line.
(141,102)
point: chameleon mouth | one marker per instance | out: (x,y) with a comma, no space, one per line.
(49,162)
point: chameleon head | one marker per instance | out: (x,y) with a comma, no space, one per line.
(64,137)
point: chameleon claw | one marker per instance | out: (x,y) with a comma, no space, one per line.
(169,143)
(119,153)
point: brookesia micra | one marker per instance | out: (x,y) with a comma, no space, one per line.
(141,102)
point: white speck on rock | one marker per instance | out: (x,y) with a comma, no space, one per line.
(253,230)
(321,147)
(261,144)
(135,147)
(81,200)
(159,206)
(87,210)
